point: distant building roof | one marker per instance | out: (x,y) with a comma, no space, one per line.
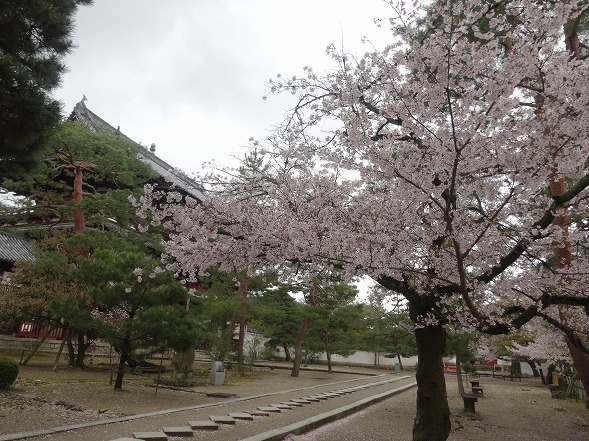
(182,182)
(15,248)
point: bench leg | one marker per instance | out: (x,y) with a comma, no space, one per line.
(469,404)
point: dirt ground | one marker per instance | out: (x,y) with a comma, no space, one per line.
(41,398)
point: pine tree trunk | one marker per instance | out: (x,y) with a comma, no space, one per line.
(78,194)
(122,361)
(329,367)
(82,348)
(185,361)
(432,421)
(400,362)
(286,352)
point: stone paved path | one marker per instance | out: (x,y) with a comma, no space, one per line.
(322,399)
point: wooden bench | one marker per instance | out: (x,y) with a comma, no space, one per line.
(484,374)
(477,390)
(469,401)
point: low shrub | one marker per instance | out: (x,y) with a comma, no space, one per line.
(8,372)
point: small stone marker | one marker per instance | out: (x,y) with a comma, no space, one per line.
(301,401)
(125,439)
(151,436)
(178,431)
(222,419)
(269,409)
(313,399)
(257,412)
(241,416)
(203,425)
(319,397)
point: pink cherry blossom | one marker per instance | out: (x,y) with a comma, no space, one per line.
(425,166)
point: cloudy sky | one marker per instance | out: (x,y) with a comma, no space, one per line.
(189,75)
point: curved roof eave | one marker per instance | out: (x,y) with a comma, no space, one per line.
(182,182)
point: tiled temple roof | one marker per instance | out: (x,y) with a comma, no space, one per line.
(182,182)
(14,248)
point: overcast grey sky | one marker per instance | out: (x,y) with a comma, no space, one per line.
(189,75)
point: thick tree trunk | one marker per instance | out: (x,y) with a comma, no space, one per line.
(286,352)
(432,420)
(581,363)
(185,361)
(296,366)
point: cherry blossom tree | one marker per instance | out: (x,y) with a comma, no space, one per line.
(430,166)
(544,344)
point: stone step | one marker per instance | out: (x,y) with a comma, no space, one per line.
(282,406)
(241,416)
(301,401)
(150,436)
(292,403)
(257,412)
(222,419)
(178,431)
(315,400)
(203,425)
(269,409)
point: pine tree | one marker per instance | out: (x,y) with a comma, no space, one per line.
(109,172)
(35,35)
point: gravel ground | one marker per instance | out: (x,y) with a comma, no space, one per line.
(510,410)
